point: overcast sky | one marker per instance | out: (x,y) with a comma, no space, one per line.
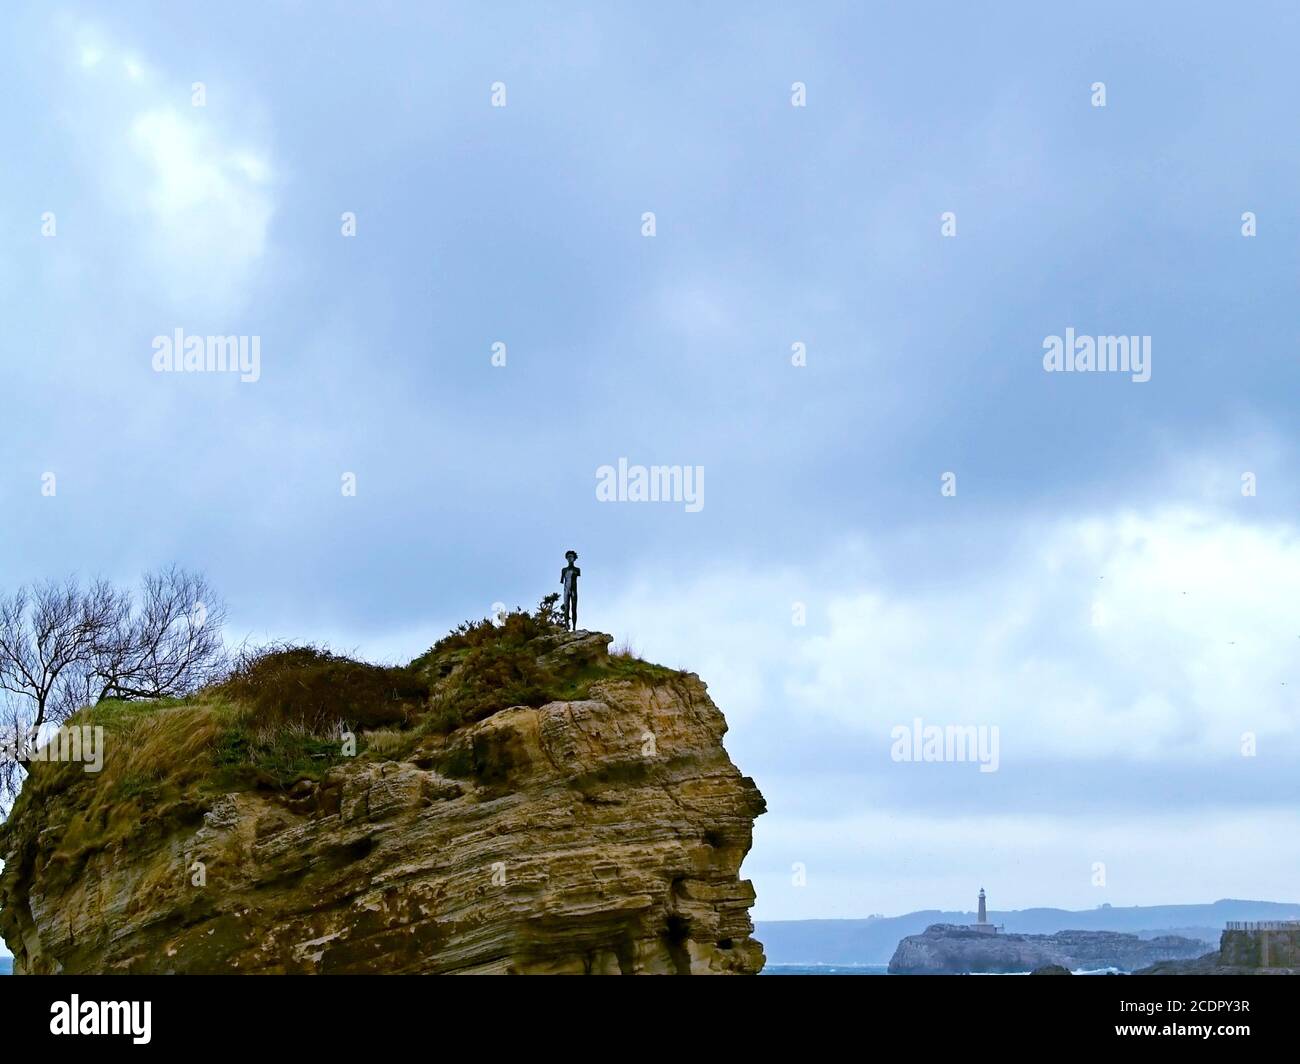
(1098,588)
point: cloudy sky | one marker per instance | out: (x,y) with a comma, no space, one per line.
(1099,589)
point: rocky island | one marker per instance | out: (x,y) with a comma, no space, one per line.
(951,949)
(517,800)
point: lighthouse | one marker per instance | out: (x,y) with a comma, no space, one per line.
(982,921)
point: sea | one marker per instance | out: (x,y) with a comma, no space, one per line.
(882,969)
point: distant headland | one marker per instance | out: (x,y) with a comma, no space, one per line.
(873,941)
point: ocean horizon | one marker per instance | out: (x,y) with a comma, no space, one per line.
(883,969)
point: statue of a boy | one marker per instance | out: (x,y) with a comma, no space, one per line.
(569,582)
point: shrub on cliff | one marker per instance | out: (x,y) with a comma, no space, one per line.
(485,666)
(492,677)
(511,629)
(312,688)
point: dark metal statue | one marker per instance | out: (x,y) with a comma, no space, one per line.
(569,582)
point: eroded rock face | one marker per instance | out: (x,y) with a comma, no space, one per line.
(1260,952)
(594,836)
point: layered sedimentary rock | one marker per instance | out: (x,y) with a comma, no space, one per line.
(1264,948)
(954,948)
(1265,951)
(598,835)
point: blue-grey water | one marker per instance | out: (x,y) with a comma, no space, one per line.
(877,969)
(6,966)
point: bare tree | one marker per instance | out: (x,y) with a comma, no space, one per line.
(170,645)
(13,732)
(63,647)
(108,642)
(46,633)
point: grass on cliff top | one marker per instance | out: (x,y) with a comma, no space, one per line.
(164,760)
(280,716)
(155,761)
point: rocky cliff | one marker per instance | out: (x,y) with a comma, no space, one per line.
(1258,952)
(953,948)
(598,832)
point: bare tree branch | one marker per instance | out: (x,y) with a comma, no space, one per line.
(63,647)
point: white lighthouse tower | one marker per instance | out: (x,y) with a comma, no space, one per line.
(982,921)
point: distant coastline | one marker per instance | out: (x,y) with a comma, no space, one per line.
(883,969)
(866,942)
